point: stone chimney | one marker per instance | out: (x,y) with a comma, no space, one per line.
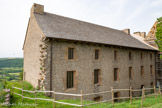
(142,34)
(37,8)
(127,31)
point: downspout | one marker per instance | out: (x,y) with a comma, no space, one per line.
(156,69)
(51,69)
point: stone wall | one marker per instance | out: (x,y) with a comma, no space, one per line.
(84,64)
(34,53)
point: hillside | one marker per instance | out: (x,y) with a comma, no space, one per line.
(10,68)
(11,62)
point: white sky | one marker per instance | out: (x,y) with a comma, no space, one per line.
(138,15)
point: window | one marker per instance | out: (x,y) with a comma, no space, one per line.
(96,76)
(115,55)
(151,72)
(130,55)
(116,95)
(141,56)
(116,74)
(151,56)
(130,73)
(98,98)
(70,79)
(142,86)
(71,53)
(152,84)
(142,71)
(96,54)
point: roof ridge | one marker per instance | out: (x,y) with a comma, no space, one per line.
(70,18)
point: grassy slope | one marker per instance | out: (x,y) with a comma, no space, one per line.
(148,102)
(10,68)
(11,62)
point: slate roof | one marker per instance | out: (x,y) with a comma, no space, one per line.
(55,26)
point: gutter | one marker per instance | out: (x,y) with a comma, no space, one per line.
(51,68)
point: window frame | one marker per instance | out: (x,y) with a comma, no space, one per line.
(70,53)
(116,77)
(96,54)
(115,55)
(97,99)
(73,80)
(130,55)
(142,71)
(152,84)
(130,73)
(141,56)
(151,56)
(98,77)
(117,96)
(151,70)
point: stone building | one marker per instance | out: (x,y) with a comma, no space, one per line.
(150,39)
(69,55)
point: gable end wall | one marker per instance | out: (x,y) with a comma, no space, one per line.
(32,53)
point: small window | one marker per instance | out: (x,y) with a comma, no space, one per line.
(97,99)
(130,73)
(116,74)
(151,56)
(115,55)
(152,84)
(116,96)
(151,71)
(96,54)
(142,71)
(142,86)
(130,55)
(70,79)
(71,53)
(141,56)
(96,76)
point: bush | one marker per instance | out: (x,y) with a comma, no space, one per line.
(21,75)
(2,96)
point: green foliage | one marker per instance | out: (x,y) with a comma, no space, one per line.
(159,33)
(1,85)
(11,62)
(2,96)
(2,93)
(21,75)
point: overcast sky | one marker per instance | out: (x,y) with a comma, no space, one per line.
(138,15)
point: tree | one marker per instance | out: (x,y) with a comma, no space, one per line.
(159,34)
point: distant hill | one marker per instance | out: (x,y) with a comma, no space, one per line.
(11,62)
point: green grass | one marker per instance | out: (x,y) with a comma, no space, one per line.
(150,102)
(1,85)
(14,74)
